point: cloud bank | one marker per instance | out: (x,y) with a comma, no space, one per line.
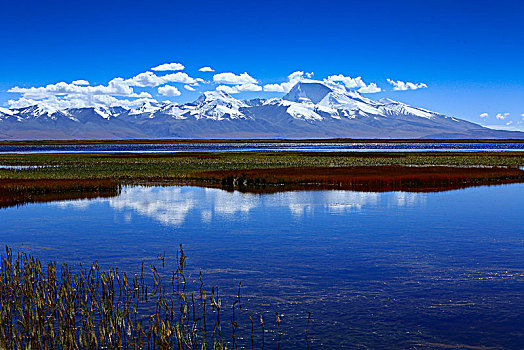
(232,78)
(153,85)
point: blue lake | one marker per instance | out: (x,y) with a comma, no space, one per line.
(268,147)
(376,270)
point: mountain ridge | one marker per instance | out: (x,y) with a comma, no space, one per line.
(309,110)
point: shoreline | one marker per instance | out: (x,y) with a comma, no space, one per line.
(262,141)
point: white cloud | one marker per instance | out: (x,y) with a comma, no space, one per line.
(121,92)
(179,77)
(233,79)
(249,87)
(338,81)
(350,83)
(502,116)
(199,81)
(369,89)
(300,75)
(403,86)
(228,89)
(78,101)
(150,79)
(274,88)
(117,92)
(63,95)
(341,81)
(169,66)
(117,87)
(293,79)
(239,88)
(509,123)
(484,115)
(80,82)
(145,79)
(168,90)
(80,94)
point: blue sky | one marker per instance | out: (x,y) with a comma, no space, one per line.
(470,54)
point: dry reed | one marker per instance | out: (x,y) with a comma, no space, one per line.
(53,307)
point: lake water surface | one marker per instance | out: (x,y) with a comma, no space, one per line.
(268,147)
(376,270)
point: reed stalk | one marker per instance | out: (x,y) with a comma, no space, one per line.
(56,308)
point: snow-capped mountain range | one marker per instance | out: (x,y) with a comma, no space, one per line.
(309,110)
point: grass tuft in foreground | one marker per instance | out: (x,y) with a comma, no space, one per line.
(55,308)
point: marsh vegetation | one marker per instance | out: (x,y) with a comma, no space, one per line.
(58,307)
(43,177)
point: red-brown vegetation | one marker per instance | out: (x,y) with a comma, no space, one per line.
(367,178)
(18,192)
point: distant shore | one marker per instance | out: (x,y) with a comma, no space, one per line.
(229,141)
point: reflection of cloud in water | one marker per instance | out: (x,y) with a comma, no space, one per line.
(172,205)
(340,202)
(80,204)
(305,203)
(231,203)
(206,215)
(408,199)
(169,205)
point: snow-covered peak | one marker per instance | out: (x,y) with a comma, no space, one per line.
(146,107)
(395,108)
(172,109)
(217,105)
(5,111)
(307,91)
(388,101)
(217,95)
(312,109)
(330,98)
(104,112)
(218,98)
(255,102)
(35,111)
